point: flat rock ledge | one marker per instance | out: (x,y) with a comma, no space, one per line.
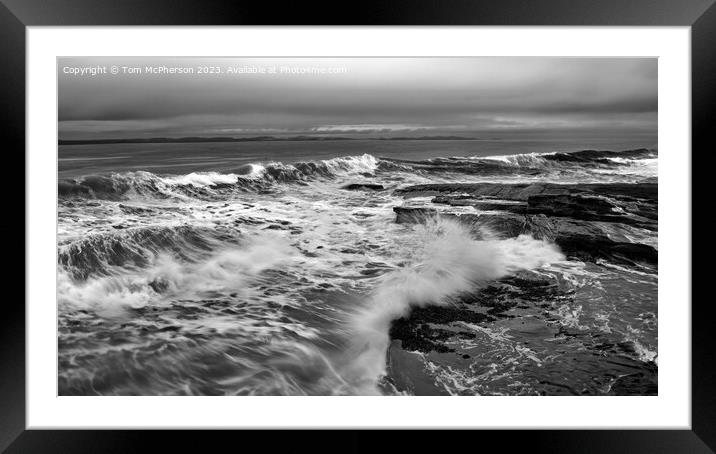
(589,222)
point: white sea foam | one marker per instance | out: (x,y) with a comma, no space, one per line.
(344,258)
(449,262)
(202,179)
(519,160)
(352,164)
(230,270)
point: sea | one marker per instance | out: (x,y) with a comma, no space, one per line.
(249,268)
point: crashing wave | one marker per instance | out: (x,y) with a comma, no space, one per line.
(137,247)
(449,263)
(529,163)
(164,275)
(583,157)
(209,185)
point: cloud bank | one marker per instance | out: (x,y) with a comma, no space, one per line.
(358,96)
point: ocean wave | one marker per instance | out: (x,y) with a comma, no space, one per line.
(266,176)
(100,254)
(582,157)
(211,185)
(532,163)
(161,273)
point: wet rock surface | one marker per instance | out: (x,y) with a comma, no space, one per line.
(363,186)
(529,324)
(511,328)
(589,222)
(522,191)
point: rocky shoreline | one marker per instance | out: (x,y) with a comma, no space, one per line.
(598,224)
(589,222)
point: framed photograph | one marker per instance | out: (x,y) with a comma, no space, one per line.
(475,216)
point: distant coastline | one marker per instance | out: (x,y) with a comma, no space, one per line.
(246,139)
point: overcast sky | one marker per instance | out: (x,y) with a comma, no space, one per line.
(358,96)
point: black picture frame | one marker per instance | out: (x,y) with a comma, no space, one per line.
(16,15)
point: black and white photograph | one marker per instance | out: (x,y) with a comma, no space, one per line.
(357,226)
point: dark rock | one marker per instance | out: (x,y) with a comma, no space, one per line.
(494,190)
(363,186)
(426,329)
(413,215)
(496,205)
(576,206)
(590,249)
(592,208)
(452,198)
(416,333)
(642,383)
(520,208)
(460,202)
(223,185)
(446,314)
(516,291)
(522,191)
(578,239)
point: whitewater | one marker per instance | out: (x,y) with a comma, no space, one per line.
(280,278)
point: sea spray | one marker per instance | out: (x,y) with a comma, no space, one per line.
(449,261)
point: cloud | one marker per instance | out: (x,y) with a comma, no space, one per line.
(372,94)
(380,128)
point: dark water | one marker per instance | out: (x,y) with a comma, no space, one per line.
(245,268)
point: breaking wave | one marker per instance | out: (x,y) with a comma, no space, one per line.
(265,177)
(531,163)
(137,247)
(161,273)
(211,185)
